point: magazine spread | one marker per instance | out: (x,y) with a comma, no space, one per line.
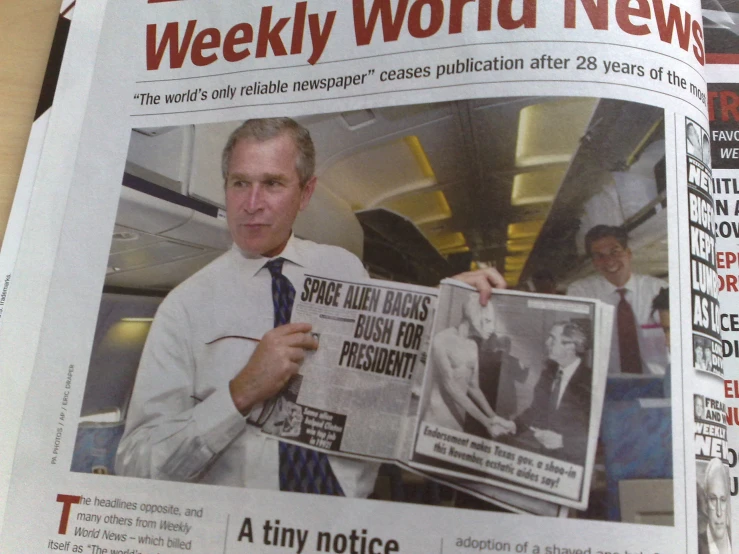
(211,319)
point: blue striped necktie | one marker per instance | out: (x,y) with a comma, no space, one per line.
(301,469)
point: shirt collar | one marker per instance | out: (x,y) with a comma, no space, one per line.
(251,264)
(628,285)
(570,369)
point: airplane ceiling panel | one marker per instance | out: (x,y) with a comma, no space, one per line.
(125,238)
(368,177)
(445,145)
(148,214)
(460,172)
(341,229)
(495,132)
(163,159)
(497,136)
(550,132)
(154,253)
(206,179)
(414,163)
(203,230)
(420,208)
(164,276)
(335,139)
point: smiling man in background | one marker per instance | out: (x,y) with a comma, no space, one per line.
(221,343)
(631,294)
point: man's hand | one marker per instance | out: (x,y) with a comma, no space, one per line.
(275,360)
(548,439)
(501,426)
(484,280)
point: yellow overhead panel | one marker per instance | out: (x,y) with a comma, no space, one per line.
(525,229)
(447,241)
(513,263)
(420,208)
(512,277)
(423,162)
(536,187)
(515,246)
(375,174)
(550,132)
(455,250)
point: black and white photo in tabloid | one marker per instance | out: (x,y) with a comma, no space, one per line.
(547,442)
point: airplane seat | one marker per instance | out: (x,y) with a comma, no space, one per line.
(624,386)
(637,436)
(122,327)
(96,447)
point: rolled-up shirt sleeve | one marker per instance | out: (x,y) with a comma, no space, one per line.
(170,433)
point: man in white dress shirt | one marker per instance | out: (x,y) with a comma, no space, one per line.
(213,354)
(609,250)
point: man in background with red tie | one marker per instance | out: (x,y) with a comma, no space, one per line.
(630,293)
(221,344)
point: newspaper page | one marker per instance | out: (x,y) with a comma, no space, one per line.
(449,137)
(353,394)
(717,485)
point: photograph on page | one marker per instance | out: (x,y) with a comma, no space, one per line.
(565,196)
(714,487)
(471,422)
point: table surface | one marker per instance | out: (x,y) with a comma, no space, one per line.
(26,31)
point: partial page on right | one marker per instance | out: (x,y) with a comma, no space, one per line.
(717,517)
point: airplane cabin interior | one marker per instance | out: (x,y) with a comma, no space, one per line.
(419,193)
